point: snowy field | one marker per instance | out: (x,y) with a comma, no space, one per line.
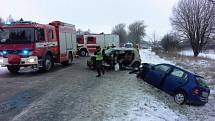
(206,54)
(147,56)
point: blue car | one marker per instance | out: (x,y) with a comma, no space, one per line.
(186,87)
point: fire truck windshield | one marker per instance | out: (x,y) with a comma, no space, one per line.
(16,35)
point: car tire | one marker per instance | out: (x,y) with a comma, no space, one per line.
(180,97)
(83,53)
(13,69)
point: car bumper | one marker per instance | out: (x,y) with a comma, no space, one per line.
(198,100)
(31,60)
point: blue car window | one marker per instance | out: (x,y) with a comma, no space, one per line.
(163,68)
(179,73)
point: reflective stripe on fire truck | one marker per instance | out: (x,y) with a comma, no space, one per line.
(87,44)
(91,44)
(46,44)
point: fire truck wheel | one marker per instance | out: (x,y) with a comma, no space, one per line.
(47,64)
(83,53)
(13,69)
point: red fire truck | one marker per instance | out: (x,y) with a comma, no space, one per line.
(87,43)
(27,43)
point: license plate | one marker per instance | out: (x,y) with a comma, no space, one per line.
(205,94)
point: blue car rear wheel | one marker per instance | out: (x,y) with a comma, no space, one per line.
(180,98)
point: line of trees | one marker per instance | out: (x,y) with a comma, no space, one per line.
(135,33)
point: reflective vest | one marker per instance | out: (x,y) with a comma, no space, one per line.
(99,55)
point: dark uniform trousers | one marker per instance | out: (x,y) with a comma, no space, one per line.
(99,67)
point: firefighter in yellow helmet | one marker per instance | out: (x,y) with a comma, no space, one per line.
(99,59)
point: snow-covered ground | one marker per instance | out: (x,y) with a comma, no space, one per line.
(147,56)
(206,54)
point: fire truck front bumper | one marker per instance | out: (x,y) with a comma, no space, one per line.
(31,60)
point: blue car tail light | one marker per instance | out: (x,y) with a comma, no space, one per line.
(195,92)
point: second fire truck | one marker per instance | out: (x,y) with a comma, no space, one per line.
(87,43)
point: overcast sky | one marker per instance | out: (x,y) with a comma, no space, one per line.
(96,15)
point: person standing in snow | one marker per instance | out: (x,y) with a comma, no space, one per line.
(99,59)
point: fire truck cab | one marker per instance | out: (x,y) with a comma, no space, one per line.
(27,43)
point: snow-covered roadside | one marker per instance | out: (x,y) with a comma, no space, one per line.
(147,56)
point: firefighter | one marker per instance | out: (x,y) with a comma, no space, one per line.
(99,59)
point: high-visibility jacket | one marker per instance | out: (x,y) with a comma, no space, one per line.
(99,55)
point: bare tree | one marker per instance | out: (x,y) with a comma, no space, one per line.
(120,30)
(136,32)
(195,20)
(80,32)
(154,40)
(87,32)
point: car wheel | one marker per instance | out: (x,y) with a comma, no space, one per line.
(83,53)
(13,69)
(180,98)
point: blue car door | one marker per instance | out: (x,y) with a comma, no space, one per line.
(156,74)
(174,80)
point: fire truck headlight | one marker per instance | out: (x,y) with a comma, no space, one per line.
(4,52)
(31,60)
(25,52)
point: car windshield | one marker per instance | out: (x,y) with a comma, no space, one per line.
(16,35)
